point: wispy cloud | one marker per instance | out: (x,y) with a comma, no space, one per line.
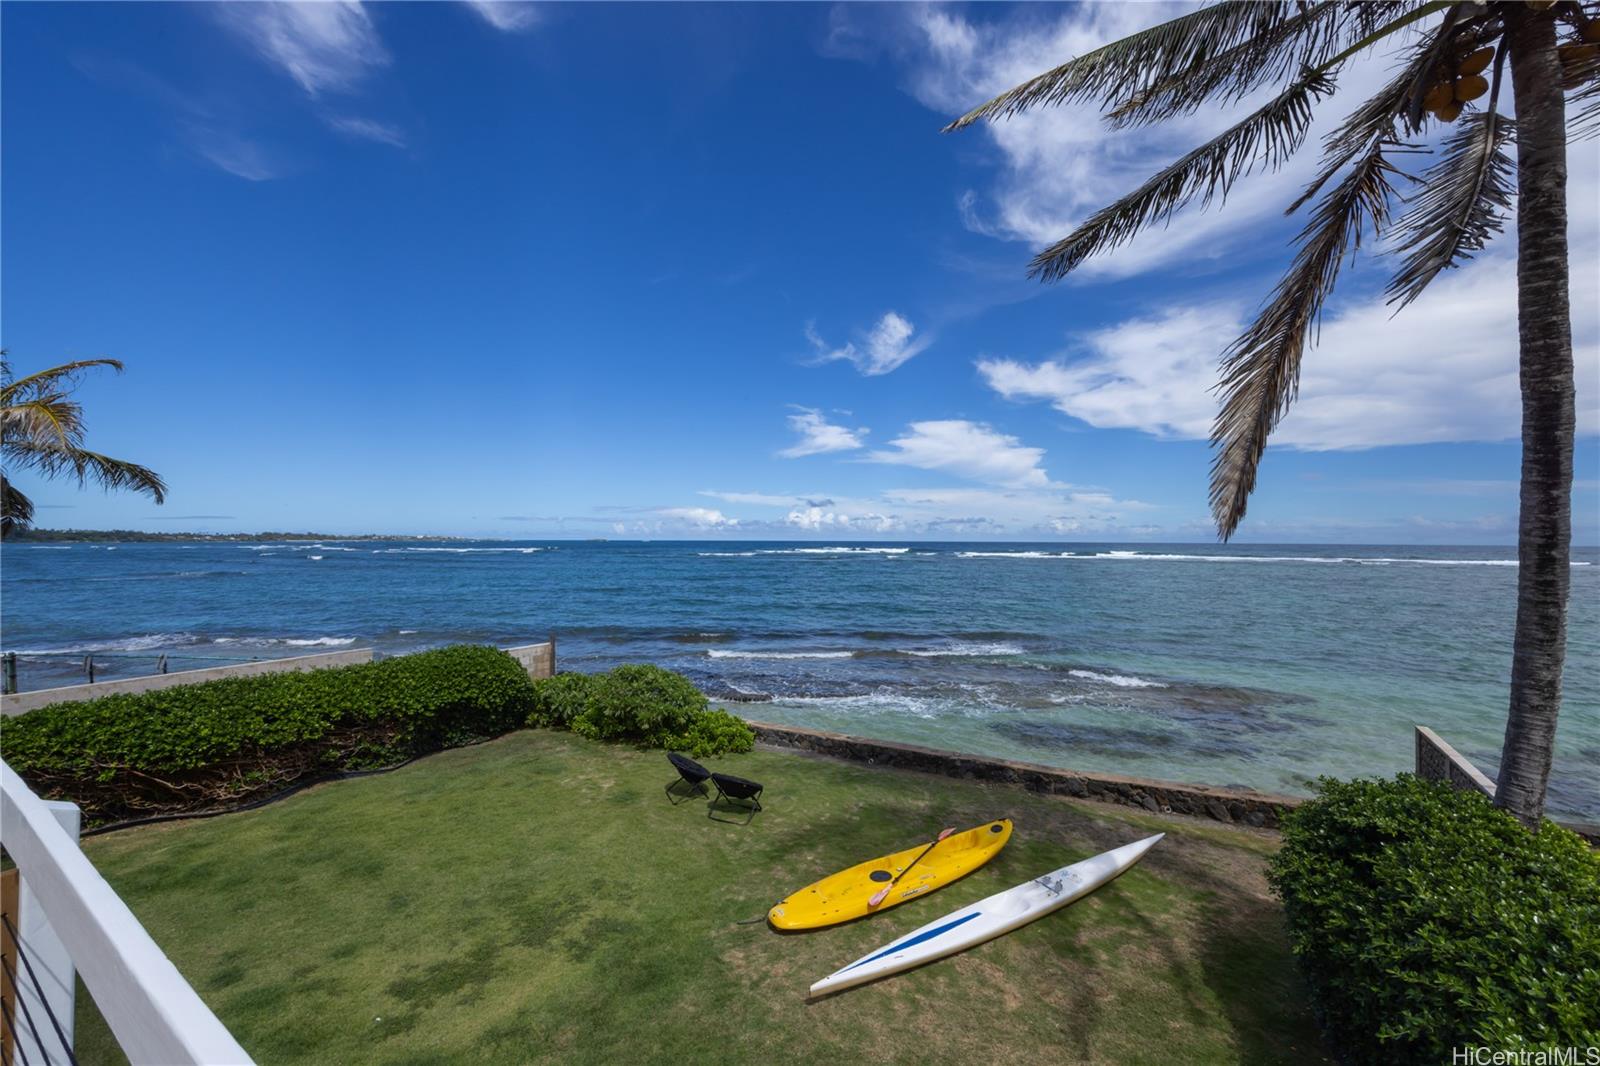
(967,449)
(767,499)
(331,45)
(884,348)
(698,517)
(367,129)
(233,152)
(818,435)
(509,16)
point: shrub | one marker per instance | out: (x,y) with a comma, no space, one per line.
(716,732)
(641,703)
(558,700)
(1426,919)
(644,704)
(197,746)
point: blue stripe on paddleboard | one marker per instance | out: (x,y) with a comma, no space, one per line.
(929,935)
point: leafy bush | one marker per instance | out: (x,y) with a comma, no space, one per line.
(558,700)
(640,703)
(1427,919)
(716,732)
(195,746)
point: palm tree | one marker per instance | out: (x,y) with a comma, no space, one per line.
(41,429)
(1215,56)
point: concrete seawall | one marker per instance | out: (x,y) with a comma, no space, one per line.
(19,702)
(1231,806)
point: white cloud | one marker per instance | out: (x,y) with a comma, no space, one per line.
(510,16)
(1059,164)
(818,519)
(698,517)
(323,46)
(1152,374)
(966,449)
(1443,370)
(818,435)
(369,130)
(888,345)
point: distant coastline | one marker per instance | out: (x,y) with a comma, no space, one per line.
(140,535)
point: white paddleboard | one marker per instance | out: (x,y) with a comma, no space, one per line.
(989,918)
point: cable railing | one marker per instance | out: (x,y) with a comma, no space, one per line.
(160,663)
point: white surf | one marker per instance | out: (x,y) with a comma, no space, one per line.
(989,918)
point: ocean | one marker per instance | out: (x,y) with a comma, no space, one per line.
(1241,665)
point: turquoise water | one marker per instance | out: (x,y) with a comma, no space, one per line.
(1260,666)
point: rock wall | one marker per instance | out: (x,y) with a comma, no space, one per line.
(1231,806)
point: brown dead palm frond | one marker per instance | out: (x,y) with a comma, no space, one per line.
(1265,138)
(1261,370)
(1464,201)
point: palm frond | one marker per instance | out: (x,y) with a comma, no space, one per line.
(1261,370)
(1464,201)
(1264,138)
(1376,120)
(16,510)
(54,378)
(86,466)
(1305,40)
(47,419)
(1122,69)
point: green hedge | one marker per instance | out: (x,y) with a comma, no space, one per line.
(199,745)
(641,704)
(1426,919)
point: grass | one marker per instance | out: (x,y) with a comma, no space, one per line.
(538,899)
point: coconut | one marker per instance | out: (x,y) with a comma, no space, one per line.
(1471,87)
(1448,112)
(1475,62)
(1438,96)
(1591,31)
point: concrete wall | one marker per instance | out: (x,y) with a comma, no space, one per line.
(1241,806)
(18,702)
(538,659)
(1438,761)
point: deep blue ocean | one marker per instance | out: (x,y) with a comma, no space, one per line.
(1251,665)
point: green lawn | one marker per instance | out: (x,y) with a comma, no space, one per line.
(537,898)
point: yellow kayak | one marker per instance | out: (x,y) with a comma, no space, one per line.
(846,895)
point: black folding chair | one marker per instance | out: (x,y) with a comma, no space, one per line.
(738,790)
(690,773)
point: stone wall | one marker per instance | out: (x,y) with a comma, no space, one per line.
(18,702)
(538,659)
(1231,806)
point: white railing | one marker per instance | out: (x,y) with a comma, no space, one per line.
(151,1010)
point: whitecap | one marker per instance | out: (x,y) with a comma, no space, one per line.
(1119,680)
(722,653)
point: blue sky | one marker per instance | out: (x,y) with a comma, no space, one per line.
(694,271)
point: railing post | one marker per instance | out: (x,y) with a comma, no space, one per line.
(8,677)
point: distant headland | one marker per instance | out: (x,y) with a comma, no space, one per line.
(141,535)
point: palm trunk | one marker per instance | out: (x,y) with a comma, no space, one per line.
(1544,331)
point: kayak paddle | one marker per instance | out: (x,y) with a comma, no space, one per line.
(883,893)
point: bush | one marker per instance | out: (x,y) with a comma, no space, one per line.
(642,703)
(558,700)
(1426,919)
(716,732)
(198,746)
(639,703)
